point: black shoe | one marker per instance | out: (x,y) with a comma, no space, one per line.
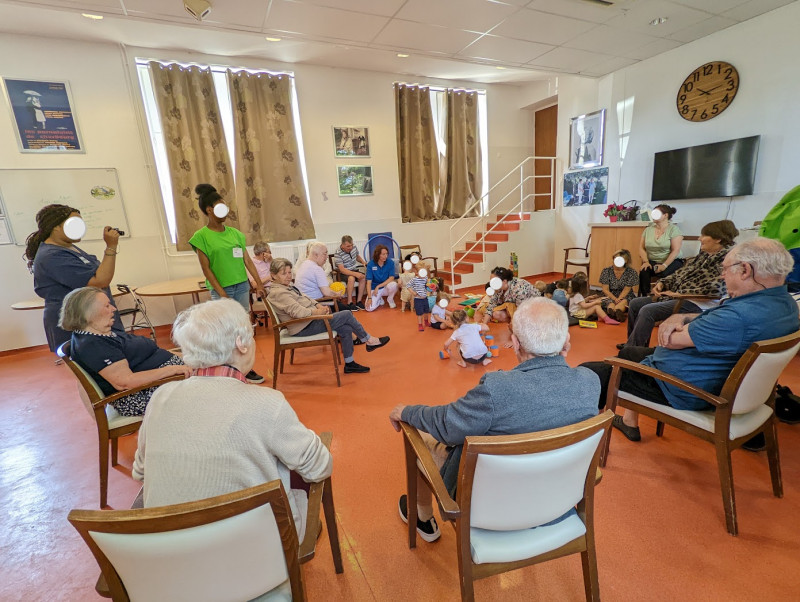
(620,345)
(787,406)
(631,432)
(429,530)
(357,341)
(254,378)
(360,305)
(353,307)
(353,368)
(383,341)
(755,444)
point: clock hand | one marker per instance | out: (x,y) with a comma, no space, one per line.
(704,92)
(712,89)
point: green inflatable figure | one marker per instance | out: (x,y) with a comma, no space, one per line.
(783,224)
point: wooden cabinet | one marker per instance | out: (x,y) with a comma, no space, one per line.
(607,238)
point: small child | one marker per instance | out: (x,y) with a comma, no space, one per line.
(439,314)
(418,286)
(582,306)
(484,302)
(560,293)
(540,286)
(405,293)
(432,286)
(468,336)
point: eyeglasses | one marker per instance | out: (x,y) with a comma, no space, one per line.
(725,267)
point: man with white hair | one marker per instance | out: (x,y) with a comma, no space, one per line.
(213,433)
(310,278)
(542,392)
(703,348)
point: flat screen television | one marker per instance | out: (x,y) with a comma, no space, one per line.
(709,170)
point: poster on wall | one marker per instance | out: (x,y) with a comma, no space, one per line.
(586,136)
(354,180)
(42,112)
(586,187)
(351,141)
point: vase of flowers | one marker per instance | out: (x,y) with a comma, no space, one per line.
(613,211)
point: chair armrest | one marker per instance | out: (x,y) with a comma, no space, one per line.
(618,363)
(575,249)
(120,394)
(283,325)
(448,506)
(313,524)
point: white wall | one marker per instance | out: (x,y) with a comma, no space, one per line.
(107,108)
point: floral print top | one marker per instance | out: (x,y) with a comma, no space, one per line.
(518,291)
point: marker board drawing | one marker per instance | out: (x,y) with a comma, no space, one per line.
(94,192)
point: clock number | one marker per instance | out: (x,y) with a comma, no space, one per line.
(715,109)
(681,99)
(719,68)
(694,112)
(708,70)
(725,99)
(696,76)
(728,73)
(687,87)
(684,109)
(704,115)
(731,85)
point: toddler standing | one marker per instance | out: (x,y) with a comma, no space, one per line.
(468,336)
(418,286)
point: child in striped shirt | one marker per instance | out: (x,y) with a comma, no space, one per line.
(418,286)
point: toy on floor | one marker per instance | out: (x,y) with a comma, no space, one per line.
(443,355)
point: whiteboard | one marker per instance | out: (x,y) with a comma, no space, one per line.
(94,192)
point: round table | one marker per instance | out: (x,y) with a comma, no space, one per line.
(193,286)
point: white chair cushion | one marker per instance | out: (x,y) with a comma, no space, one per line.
(741,424)
(509,546)
(287,338)
(579,261)
(116,420)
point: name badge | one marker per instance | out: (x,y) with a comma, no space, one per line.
(83,259)
(237,252)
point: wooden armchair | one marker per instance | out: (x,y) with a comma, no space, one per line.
(409,249)
(236,546)
(743,409)
(510,488)
(110,424)
(286,342)
(579,261)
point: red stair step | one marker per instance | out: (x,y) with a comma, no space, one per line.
(514,217)
(505,226)
(470,256)
(486,247)
(446,277)
(461,268)
(494,237)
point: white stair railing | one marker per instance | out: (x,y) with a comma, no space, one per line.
(517,178)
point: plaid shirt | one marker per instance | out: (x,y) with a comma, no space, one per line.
(225,370)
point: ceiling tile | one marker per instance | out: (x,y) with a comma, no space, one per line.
(652,49)
(321,21)
(702,29)
(578,9)
(608,66)
(404,34)
(711,6)
(569,59)
(505,49)
(384,8)
(751,9)
(610,40)
(474,15)
(638,18)
(541,27)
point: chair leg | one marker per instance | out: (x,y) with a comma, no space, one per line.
(335,355)
(333,530)
(659,429)
(591,583)
(773,456)
(565,270)
(726,481)
(275,361)
(291,357)
(283,355)
(103,471)
(411,492)
(464,567)
(114,451)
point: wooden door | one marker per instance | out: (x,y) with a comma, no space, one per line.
(544,145)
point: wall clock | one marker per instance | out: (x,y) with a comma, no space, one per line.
(707,91)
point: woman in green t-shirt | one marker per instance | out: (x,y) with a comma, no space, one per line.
(223,255)
(660,249)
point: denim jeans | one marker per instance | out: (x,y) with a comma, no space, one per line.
(238,292)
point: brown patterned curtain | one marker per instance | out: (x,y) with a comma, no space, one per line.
(464,175)
(271,196)
(417,155)
(195,142)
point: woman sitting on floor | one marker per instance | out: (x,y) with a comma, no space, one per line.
(513,292)
(115,360)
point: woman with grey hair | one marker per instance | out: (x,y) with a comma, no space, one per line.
(290,304)
(115,360)
(212,433)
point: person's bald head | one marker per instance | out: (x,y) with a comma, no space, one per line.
(540,326)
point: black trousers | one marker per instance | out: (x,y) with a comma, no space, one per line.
(645,276)
(634,383)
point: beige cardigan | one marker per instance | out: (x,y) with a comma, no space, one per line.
(289,304)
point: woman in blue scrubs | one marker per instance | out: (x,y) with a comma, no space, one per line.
(59,266)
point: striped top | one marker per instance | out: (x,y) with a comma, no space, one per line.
(419,286)
(348,260)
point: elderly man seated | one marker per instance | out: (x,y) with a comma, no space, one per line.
(529,398)
(353,267)
(703,348)
(310,278)
(213,433)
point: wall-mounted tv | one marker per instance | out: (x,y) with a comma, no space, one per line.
(709,170)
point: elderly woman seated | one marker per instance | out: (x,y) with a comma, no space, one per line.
(289,304)
(213,433)
(115,360)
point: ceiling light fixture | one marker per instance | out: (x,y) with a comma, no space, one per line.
(92,17)
(659,21)
(499,67)
(401,55)
(269,39)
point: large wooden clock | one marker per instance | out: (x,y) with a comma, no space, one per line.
(707,91)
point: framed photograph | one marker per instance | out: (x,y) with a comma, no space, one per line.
(351,141)
(354,180)
(586,136)
(586,187)
(42,113)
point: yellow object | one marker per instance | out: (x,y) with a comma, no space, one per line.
(338,287)
(587,324)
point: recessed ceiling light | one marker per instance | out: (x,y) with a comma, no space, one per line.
(402,56)
(659,21)
(93,17)
(499,67)
(270,39)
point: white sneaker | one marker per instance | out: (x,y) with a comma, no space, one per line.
(381,301)
(392,304)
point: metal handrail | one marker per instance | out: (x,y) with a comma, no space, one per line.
(481,242)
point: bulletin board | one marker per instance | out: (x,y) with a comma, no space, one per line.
(94,192)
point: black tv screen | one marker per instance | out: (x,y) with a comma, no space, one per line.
(709,170)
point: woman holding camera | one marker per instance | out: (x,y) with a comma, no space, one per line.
(59,266)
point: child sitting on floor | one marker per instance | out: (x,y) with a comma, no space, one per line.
(484,302)
(560,293)
(418,286)
(471,347)
(582,305)
(439,314)
(540,286)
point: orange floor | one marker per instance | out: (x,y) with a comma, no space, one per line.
(660,524)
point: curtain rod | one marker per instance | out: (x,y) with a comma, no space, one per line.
(438,88)
(144,61)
